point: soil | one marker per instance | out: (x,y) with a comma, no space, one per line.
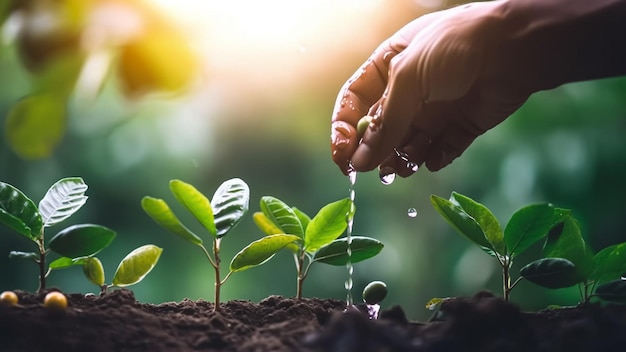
(117,322)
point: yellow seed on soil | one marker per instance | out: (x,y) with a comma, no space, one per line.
(364,122)
(55,300)
(8,298)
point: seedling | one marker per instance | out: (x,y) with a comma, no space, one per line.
(62,200)
(569,261)
(218,216)
(131,270)
(473,220)
(316,238)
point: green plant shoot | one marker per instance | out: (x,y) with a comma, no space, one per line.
(62,199)
(316,239)
(569,261)
(218,216)
(131,270)
(477,223)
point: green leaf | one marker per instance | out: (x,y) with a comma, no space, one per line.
(260,251)
(328,224)
(35,125)
(81,240)
(136,265)
(94,271)
(65,262)
(528,225)
(485,219)
(336,252)
(461,221)
(195,202)
(612,291)
(230,204)
(24,255)
(281,215)
(19,212)
(161,213)
(551,273)
(565,241)
(265,224)
(609,263)
(303,217)
(62,200)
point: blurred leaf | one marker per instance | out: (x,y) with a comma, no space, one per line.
(66,262)
(328,224)
(136,265)
(281,215)
(609,263)
(260,251)
(551,273)
(94,271)
(62,200)
(35,125)
(60,74)
(461,221)
(303,217)
(230,203)
(195,202)
(161,213)
(336,252)
(485,219)
(19,212)
(612,291)
(81,240)
(528,225)
(24,255)
(565,241)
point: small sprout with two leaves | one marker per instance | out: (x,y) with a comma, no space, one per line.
(218,216)
(62,199)
(526,227)
(131,270)
(568,261)
(314,239)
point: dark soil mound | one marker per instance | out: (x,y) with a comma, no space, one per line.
(117,322)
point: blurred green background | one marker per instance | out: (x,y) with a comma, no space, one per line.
(259,109)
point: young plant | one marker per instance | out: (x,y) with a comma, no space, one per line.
(473,220)
(317,237)
(569,261)
(132,269)
(218,216)
(62,200)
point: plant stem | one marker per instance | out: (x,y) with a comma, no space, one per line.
(216,266)
(42,265)
(506,278)
(301,274)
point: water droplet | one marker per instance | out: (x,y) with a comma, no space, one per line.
(412,166)
(412,212)
(388,178)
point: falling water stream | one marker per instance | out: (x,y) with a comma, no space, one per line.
(350,220)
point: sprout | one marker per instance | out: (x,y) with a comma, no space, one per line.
(374,292)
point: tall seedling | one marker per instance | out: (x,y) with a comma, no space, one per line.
(473,220)
(218,216)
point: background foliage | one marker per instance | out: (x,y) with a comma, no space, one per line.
(258,107)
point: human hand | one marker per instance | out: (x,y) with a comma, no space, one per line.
(432,88)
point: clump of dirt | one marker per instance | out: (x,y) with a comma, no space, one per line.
(117,322)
